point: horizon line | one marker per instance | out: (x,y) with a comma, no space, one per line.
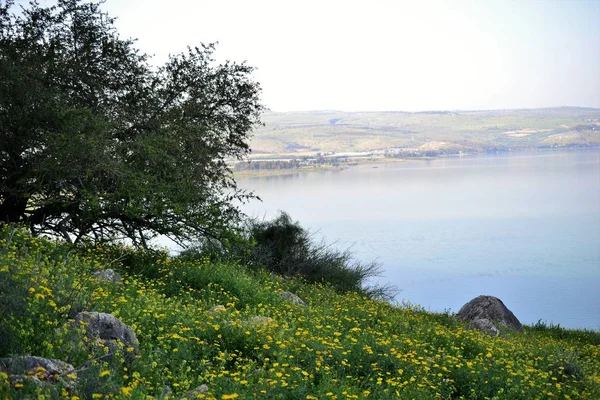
(429,110)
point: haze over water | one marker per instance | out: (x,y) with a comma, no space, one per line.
(524,227)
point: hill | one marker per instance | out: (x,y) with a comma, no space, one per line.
(430,133)
(217,330)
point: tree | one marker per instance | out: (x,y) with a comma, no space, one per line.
(96,143)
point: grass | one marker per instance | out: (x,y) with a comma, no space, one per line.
(340,346)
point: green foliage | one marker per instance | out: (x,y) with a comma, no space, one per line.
(284,247)
(339,346)
(12,306)
(97,144)
(572,335)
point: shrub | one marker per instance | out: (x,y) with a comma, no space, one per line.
(282,246)
(12,305)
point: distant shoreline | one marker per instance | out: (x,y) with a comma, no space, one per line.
(366,160)
(312,139)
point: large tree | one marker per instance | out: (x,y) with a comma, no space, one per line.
(95,142)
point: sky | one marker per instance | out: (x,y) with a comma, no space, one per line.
(379,55)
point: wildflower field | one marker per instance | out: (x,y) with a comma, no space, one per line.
(225,326)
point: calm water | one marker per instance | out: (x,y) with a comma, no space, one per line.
(523,227)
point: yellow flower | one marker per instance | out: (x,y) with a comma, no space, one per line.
(126,390)
(230,396)
(104,373)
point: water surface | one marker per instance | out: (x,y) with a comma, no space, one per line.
(524,227)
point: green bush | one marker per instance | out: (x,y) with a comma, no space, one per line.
(285,248)
(12,305)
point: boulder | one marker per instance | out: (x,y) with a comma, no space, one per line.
(291,297)
(196,393)
(24,364)
(41,371)
(487,313)
(484,325)
(107,275)
(167,393)
(259,320)
(107,329)
(219,308)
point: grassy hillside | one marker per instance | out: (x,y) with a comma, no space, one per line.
(303,133)
(257,344)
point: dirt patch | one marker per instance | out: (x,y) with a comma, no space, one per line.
(524,132)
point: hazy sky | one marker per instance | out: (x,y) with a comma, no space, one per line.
(389,55)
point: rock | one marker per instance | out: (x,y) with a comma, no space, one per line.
(484,311)
(25,364)
(484,325)
(195,393)
(260,320)
(289,296)
(41,371)
(107,329)
(167,393)
(217,309)
(107,275)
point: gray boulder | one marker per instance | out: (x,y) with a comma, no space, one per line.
(167,393)
(219,308)
(108,330)
(41,371)
(488,313)
(484,325)
(107,275)
(291,297)
(259,320)
(25,364)
(196,393)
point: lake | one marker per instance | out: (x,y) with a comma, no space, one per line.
(524,227)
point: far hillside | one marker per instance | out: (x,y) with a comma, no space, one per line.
(430,133)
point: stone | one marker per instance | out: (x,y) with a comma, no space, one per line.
(260,320)
(167,393)
(39,370)
(106,330)
(484,311)
(196,393)
(291,297)
(107,275)
(219,308)
(26,364)
(484,325)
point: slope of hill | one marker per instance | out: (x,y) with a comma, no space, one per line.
(439,132)
(217,330)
